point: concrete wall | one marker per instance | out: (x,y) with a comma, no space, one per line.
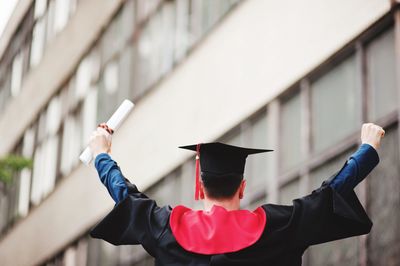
(257,52)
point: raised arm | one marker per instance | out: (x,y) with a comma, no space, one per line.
(333,211)
(360,163)
(109,172)
(111,176)
(135,219)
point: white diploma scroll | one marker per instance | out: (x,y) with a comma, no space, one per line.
(114,122)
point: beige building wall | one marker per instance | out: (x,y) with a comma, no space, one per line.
(258,51)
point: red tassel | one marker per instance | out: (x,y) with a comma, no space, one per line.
(197,189)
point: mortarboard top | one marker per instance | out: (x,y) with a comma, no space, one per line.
(220,159)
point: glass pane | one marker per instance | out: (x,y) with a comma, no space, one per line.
(38,40)
(167,191)
(83,77)
(71,143)
(234,137)
(24,189)
(82,252)
(42,128)
(182,29)
(53,118)
(5,92)
(341,252)
(50,165)
(125,75)
(382,75)
(3,211)
(37,175)
(69,258)
(61,15)
(196,30)
(290,132)
(335,104)
(167,34)
(107,96)
(16,74)
(28,143)
(40,8)
(127,20)
(112,40)
(384,204)
(143,61)
(108,254)
(289,192)
(50,22)
(188,183)
(255,136)
(89,115)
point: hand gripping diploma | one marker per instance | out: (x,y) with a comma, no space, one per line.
(112,124)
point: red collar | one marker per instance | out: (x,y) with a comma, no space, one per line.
(217,231)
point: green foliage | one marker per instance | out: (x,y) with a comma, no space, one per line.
(12,164)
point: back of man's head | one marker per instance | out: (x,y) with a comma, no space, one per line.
(221,187)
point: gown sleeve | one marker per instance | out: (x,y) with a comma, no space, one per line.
(111,176)
(332,211)
(136,219)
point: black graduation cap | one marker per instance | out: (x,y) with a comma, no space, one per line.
(220,159)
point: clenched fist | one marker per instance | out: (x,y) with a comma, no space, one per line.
(372,134)
(100,140)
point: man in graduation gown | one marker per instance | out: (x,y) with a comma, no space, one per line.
(222,234)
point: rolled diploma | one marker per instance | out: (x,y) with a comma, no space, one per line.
(114,122)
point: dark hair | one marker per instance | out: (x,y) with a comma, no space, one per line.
(221,187)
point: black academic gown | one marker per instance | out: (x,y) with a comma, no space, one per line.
(322,216)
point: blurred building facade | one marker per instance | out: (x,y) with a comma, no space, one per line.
(299,78)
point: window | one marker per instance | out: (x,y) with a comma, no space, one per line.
(382,75)
(182,29)
(71,143)
(127,20)
(339,252)
(125,75)
(3,211)
(233,137)
(16,74)
(161,192)
(50,22)
(335,105)
(46,152)
(112,40)
(53,117)
(38,41)
(40,8)
(61,14)
(108,91)
(255,135)
(188,182)
(167,37)
(25,176)
(290,132)
(384,202)
(89,114)
(83,77)
(38,172)
(5,85)
(289,192)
